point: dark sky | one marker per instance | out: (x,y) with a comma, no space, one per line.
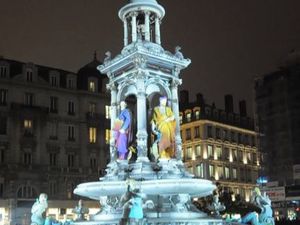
(229,42)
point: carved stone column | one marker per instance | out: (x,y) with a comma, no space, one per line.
(175,107)
(113,116)
(157,31)
(133,26)
(125,32)
(141,118)
(147,25)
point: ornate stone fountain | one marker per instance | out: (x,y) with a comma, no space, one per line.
(146,71)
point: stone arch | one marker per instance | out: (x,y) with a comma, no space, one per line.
(156,88)
(126,90)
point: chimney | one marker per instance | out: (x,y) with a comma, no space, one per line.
(228,103)
(243,108)
(184,97)
(200,99)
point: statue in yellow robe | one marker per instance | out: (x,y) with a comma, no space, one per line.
(163,126)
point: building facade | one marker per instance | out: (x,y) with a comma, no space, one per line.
(220,145)
(53,127)
(277,97)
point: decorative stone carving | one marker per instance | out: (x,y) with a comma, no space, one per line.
(107,57)
(38,210)
(80,210)
(178,53)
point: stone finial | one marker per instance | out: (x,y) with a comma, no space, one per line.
(107,57)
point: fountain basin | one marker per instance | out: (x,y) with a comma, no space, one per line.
(193,187)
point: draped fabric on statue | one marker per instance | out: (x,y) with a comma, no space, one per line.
(166,129)
(122,139)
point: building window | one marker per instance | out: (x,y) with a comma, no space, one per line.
(71,108)
(29,75)
(2,156)
(227,174)
(209,151)
(92,86)
(54,80)
(197,132)
(242,174)
(3,96)
(1,189)
(28,127)
(253,142)
(71,160)
(199,170)
(27,158)
(225,135)
(240,138)
(218,153)
(53,188)
(28,124)
(26,192)
(93,162)
(246,140)
(188,117)
(92,135)
(107,111)
(209,131)
(92,108)
(218,133)
(71,133)
(53,159)
(234,154)
(53,104)
(233,138)
(220,173)
(180,119)
(211,170)
(197,115)
(249,157)
(53,130)
(234,173)
(226,153)
(3,71)
(3,125)
(70,83)
(29,99)
(188,134)
(240,156)
(107,136)
(198,151)
(189,153)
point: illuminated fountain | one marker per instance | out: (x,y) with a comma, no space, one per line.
(146,71)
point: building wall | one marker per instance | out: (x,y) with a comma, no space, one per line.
(277,98)
(38,151)
(221,152)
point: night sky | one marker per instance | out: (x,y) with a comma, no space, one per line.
(230,42)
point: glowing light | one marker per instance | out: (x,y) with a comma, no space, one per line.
(230,156)
(193,156)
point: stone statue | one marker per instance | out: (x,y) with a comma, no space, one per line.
(38,210)
(133,204)
(264,203)
(80,210)
(163,126)
(107,57)
(178,53)
(216,206)
(122,131)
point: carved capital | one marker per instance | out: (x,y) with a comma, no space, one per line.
(147,13)
(176,82)
(111,86)
(139,61)
(133,14)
